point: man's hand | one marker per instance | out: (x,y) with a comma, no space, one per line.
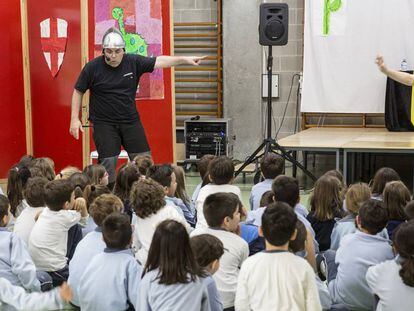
(75,126)
(193,60)
(381,65)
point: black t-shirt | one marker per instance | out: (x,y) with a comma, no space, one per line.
(113,89)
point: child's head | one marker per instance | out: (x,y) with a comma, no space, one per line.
(286,189)
(80,180)
(34,193)
(47,166)
(356,195)
(326,200)
(170,252)
(222,210)
(91,192)
(221,170)
(147,197)
(4,210)
(127,174)
(180,192)
(203,164)
(117,231)
(207,250)
(97,174)
(298,244)
(395,197)
(143,162)
(278,224)
(27,161)
(58,194)
(266,198)
(165,176)
(16,182)
(103,206)
(409,210)
(67,172)
(404,246)
(372,217)
(272,165)
(381,178)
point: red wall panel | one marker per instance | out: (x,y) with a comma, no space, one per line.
(12,112)
(51,97)
(156,115)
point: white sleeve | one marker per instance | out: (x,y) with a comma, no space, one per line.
(18,298)
(312,301)
(70,218)
(324,295)
(175,215)
(142,303)
(372,275)
(242,302)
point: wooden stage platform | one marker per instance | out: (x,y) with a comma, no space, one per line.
(345,141)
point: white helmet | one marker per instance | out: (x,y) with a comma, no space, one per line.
(113,39)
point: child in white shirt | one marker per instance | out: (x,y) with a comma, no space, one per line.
(48,239)
(276,279)
(221,175)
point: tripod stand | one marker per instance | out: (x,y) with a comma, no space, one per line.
(269,144)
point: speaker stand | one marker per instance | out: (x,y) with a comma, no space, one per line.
(270,144)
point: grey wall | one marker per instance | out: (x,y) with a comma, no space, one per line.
(243,65)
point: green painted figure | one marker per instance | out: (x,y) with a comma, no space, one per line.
(134,43)
(330,6)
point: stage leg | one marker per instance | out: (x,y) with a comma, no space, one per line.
(345,172)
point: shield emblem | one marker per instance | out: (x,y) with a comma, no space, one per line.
(53,36)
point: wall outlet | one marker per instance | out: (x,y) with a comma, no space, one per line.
(275,85)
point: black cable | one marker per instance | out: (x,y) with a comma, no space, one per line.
(287,104)
(298,98)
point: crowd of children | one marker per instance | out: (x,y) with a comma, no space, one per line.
(68,240)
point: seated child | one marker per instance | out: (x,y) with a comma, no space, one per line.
(357,252)
(181,196)
(93,242)
(171,277)
(222,213)
(90,193)
(221,175)
(356,195)
(111,279)
(277,279)
(33,203)
(202,167)
(15,263)
(97,174)
(143,163)
(147,200)
(127,174)
(396,196)
(17,298)
(207,251)
(409,210)
(298,246)
(392,281)
(49,237)
(383,176)
(271,166)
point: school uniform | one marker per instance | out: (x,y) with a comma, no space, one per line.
(276,280)
(110,281)
(385,282)
(187,210)
(213,295)
(16,265)
(16,298)
(392,225)
(323,230)
(357,252)
(196,192)
(204,193)
(257,192)
(25,222)
(236,251)
(153,296)
(346,226)
(90,227)
(91,245)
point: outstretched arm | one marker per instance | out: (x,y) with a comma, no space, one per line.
(402,77)
(75,123)
(170,61)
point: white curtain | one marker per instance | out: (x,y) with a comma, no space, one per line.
(339,73)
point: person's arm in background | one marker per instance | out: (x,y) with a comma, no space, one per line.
(171,61)
(402,77)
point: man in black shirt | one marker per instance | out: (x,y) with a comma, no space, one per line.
(113,79)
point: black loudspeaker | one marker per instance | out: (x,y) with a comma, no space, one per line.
(274,24)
